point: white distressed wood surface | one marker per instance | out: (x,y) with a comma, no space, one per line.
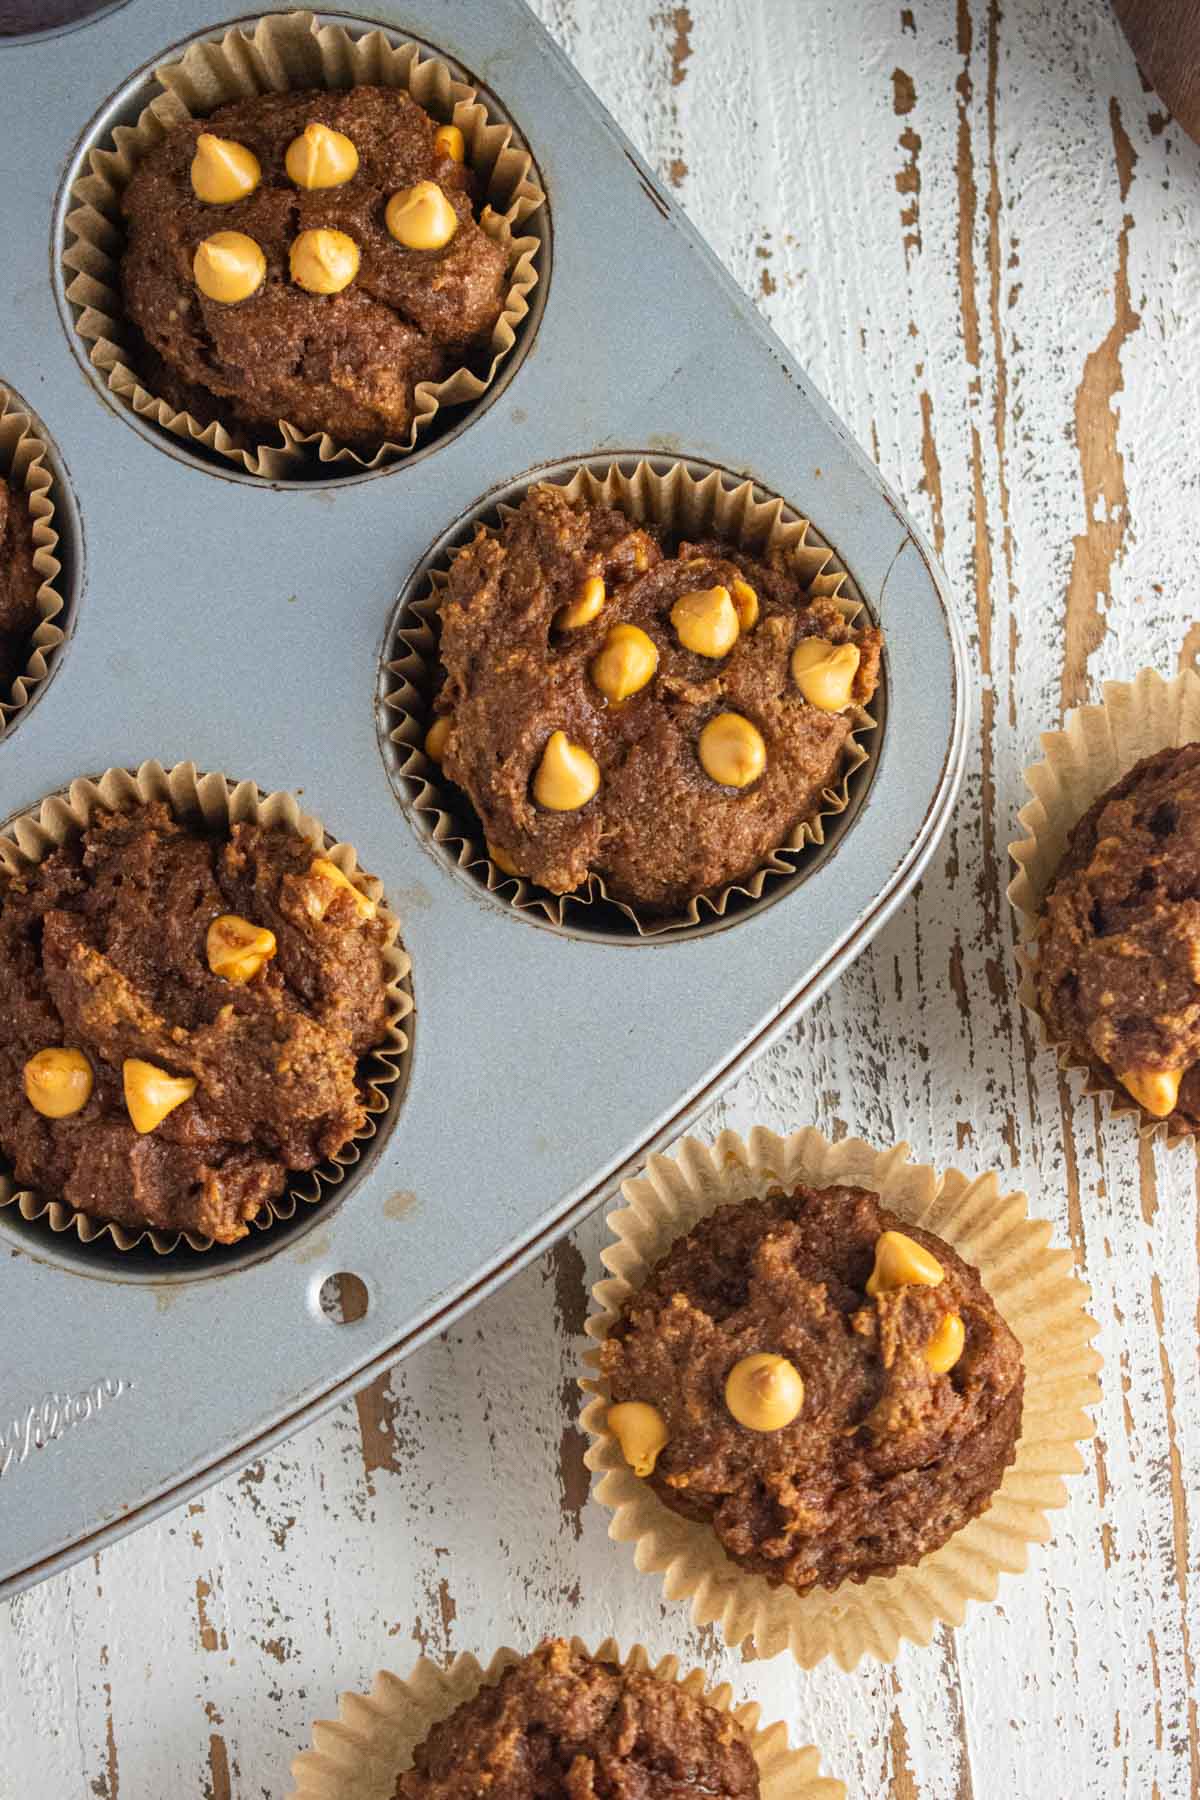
(980,234)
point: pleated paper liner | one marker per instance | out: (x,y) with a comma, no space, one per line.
(215,802)
(683,506)
(286,51)
(1034,1290)
(22,462)
(1095,748)
(359,1755)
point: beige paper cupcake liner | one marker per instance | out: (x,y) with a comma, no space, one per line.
(284,51)
(217,803)
(1097,745)
(22,462)
(683,506)
(1032,1287)
(359,1755)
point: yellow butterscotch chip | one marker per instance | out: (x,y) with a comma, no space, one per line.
(58,1082)
(237,948)
(764,1392)
(329,871)
(946,1345)
(421,217)
(642,1433)
(323,261)
(449,140)
(625,662)
(825,672)
(567,776)
(583,608)
(223,171)
(435,737)
(150,1093)
(732,750)
(706,621)
(229,266)
(745,604)
(320,158)
(1155,1089)
(502,859)
(901,1262)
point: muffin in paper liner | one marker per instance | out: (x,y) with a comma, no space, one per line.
(1095,748)
(216,802)
(359,1755)
(683,504)
(22,461)
(284,51)
(1033,1289)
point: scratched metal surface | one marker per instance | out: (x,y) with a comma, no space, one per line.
(317,570)
(978,232)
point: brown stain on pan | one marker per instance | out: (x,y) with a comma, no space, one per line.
(1099,546)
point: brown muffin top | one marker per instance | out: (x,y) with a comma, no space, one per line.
(1119,939)
(887,1458)
(659,830)
(562,1726)
(104,950)
(19,583)
(343,363)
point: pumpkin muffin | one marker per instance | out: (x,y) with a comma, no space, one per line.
(659,715)
(182,1016)
(829,1389)
(310,257)
(560,1725)
(19,584)
(1119,938)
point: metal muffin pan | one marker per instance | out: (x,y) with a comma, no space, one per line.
(244,626)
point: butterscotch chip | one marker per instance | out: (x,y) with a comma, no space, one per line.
(676,812)
(889,1451)
(206,1091)
(560,1725)
(1119,938)
(344,362)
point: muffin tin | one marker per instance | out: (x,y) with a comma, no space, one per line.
(245,626)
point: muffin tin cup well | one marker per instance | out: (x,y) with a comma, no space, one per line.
(1095,748)
(216,802)
(683,501)
(283,52)
(23,463)
(359,1755)
(1035,1292)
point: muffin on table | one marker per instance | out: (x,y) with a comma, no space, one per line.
(561,1725)
(828,1388)
(182,1016)
(659,716)
(309,256)
(1118,972)
(19,584)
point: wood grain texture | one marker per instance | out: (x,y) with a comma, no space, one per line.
(978,231)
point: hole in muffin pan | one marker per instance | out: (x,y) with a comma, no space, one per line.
(124,106)
(102,1260)
(599,921)
(69,551)
(343,1298)
(30,21)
